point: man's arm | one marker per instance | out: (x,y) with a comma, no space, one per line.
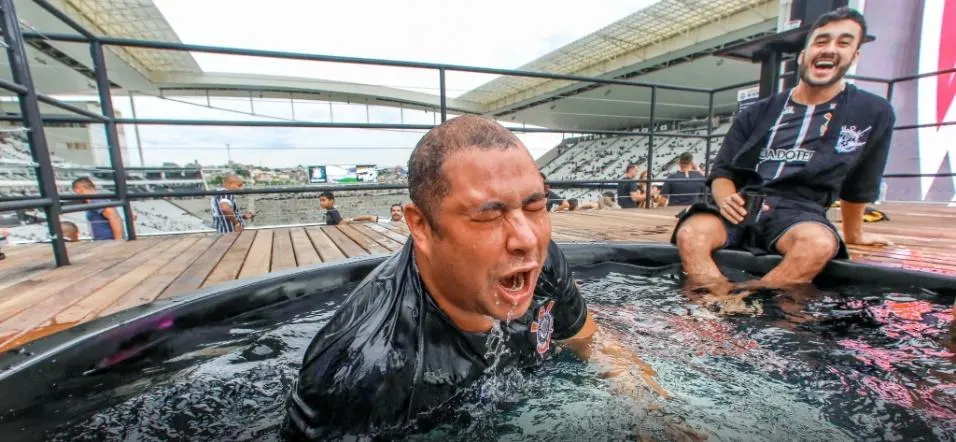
(862,184)
(230,215)
(116,222)
(362,218)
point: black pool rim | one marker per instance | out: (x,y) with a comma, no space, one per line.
(29,371)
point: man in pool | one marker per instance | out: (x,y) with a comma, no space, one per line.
(799,150)
(428,322)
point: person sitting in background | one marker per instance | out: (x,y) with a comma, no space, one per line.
(225,209)
(797,151)
(327,202)
(553,198)
(606,201)
(106,223)
(395,215)
(677,190)
(629,193)
(71,232)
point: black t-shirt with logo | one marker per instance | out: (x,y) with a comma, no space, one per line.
(792,141)
(333,217)
(390,357)
(679,191)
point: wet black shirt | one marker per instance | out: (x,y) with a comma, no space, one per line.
(390,356)
(333,217)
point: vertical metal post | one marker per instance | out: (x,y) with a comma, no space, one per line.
(441,91)
(292,104)
(30,109)
(889,91)
(650,149)
(710,131)
(769,73)
(112,137)
(139,143)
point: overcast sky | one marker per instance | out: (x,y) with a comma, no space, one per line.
(490,33)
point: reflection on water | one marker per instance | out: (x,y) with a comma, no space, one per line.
(844,363)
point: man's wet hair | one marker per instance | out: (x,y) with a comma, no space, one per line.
(327,195)
(686,158)
(395,205)
(85,181)
(839,14)
(427,183)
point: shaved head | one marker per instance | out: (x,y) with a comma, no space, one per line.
(427,184)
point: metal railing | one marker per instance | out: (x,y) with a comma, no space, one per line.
(51,201)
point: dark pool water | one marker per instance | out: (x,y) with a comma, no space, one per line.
(848,363)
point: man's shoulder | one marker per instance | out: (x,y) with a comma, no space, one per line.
(863,96)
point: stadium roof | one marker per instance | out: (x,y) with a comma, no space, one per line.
(651,26)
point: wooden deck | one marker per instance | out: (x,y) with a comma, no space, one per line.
(37,299)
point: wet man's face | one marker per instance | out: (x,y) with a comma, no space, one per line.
(493,232)
(396,213)
(830,52)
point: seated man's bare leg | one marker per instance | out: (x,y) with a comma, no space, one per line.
(806,248)
(697,239)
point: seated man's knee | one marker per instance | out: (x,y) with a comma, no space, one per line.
(814,240)
(702,230)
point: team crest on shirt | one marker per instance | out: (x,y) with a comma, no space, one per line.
(851,139)
(543,327)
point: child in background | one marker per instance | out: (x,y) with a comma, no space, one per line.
(106,223)
(327,202)
(71,232)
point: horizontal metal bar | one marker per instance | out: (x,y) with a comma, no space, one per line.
(12,87)
(918,175)
(52,119)
(136,43)
(246,123)
(267,190)
(66,19)
(920,126)
(607,132)
(94,196)
(924,75)
(89,206)
(32,203)
(66,106)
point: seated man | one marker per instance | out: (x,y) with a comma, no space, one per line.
(554,199)
(416,331)
(629,193)
(800,149)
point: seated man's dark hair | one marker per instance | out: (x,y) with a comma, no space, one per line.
(328,195)
(84,181)
(395,205)
(842,13)
(427,184)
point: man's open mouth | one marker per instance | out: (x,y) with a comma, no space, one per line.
(824,65)
(516,287)
(515,282)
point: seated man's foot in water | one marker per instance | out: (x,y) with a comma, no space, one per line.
(796,151)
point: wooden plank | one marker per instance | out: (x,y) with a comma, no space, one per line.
(283,256)
(61,296)
(366,229)
(27,293)
(327,249)
(150,289)
(305,254)
(366,243)
(196,273)
(343,242)
(260,256)
(134,271)
(228,267)
(393,235)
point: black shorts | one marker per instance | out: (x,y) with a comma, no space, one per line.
(762,238)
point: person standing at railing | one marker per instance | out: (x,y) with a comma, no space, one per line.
(629,193)
(784,161)
(327,202)
(225,209)
(677,190)
(105,223)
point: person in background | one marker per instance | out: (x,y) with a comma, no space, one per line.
(395,215)
(71,232)
(106,223)
(657,199)
(629,194)
(553,198)
(225,209)
(332,215)
(3,239)
(677,191)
